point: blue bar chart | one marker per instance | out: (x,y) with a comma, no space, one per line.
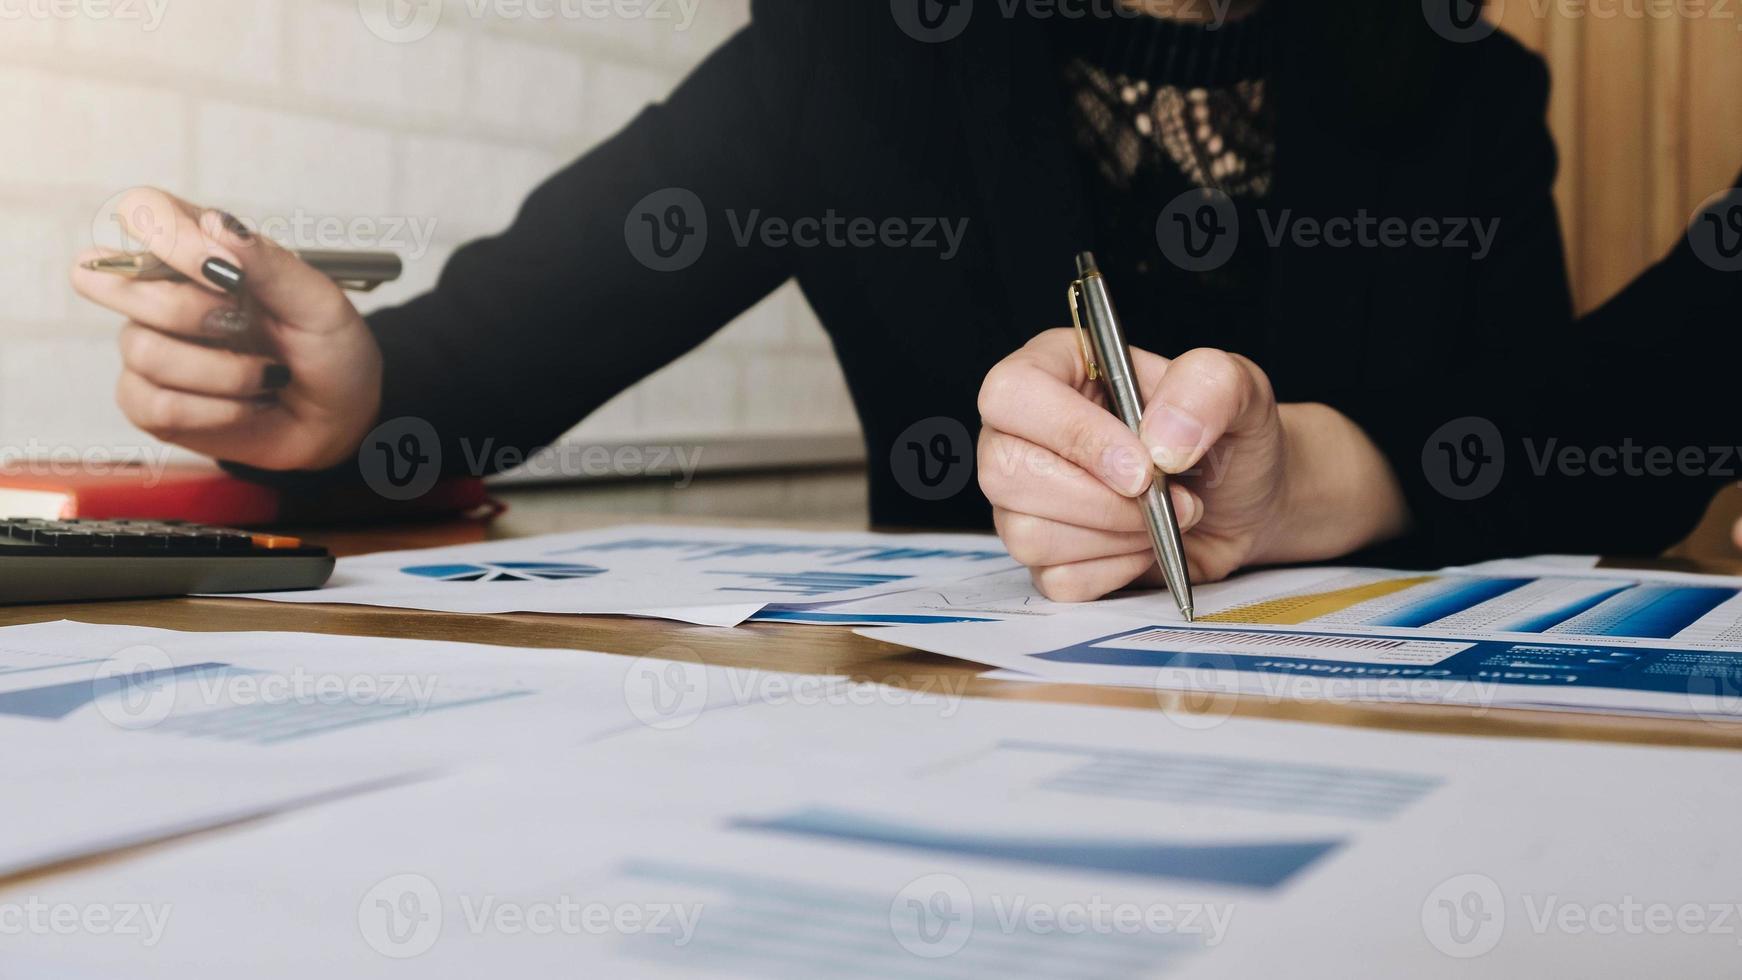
(1475,604)
(692,550)
(814,583)
(1262,865)
(760,925)
(1227,781)
(56,701)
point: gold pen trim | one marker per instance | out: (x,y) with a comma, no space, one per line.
(1075,297)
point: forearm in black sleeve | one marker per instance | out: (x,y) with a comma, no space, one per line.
(532,329)
(1653,393)
(1613,434)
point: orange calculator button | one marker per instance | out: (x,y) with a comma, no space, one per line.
(274,542)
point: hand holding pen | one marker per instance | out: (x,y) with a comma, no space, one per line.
(1069,479)
(301,392)
(1107,358)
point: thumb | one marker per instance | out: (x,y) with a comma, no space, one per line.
(278,280)
(1203,395)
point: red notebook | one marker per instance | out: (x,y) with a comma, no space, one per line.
(204,494)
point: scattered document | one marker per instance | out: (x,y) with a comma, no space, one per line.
(975,839)
(1516,597)
(993,597)
(1653,643)
(708,576)
(124,734)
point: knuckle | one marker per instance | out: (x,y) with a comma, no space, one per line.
(1216,368)
(242,375)
(145,195)
(149,214)
(1027,539)
(1208,561)
(163,408)
(1054,336)
(142,199)
(998,390)
(1048,581)
(1083,439)
(138,346)
(125,400)
(1064,583)
(1256,378)
(1117,513)
(987,466)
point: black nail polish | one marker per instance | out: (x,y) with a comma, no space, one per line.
(222,275)
(234,226)
(225,322)
(275,377)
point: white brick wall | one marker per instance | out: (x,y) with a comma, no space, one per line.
(295,112)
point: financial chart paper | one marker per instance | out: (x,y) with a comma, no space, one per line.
(708,576)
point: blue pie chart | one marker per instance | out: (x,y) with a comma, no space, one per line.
(504,571)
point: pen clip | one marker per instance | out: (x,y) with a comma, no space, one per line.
(1075,297)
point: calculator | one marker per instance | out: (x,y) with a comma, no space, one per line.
(74,560)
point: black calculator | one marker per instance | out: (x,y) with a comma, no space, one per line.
(74,560)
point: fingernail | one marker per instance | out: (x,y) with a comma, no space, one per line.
(225,322)
(222,275)
(1127,469)
(234,226)
(1185,506)
(275,376)
(1172,437)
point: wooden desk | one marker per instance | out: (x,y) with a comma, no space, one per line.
(802,649)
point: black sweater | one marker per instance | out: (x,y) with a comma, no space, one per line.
(822,109)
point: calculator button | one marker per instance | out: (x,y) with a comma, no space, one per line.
(67,539)
(274,542)
(141,539)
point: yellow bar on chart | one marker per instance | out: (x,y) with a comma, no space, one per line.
(1296,609)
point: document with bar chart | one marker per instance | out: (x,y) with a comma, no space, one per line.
(998,840)
(1702,612)
(711,576)
(1649,643)
(126,734)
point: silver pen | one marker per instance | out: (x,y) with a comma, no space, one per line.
(356,271)
(1109,359)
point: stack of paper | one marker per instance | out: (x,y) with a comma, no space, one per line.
(1549,632)
(983,839)
(124,734)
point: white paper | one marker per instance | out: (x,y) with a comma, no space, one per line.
(708,576)
(993,597)
(123,734)
(964,839)
(1535,563)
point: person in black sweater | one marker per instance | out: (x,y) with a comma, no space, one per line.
(1395,265)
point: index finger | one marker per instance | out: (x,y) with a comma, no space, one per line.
(1038,394)
(170,228)
(1059,352)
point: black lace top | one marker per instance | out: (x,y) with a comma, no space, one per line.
(1160,108)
